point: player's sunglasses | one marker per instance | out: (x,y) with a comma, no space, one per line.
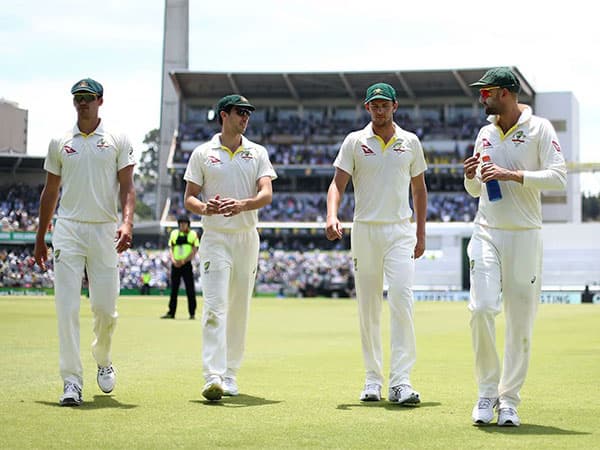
(242,112)
(85,97)
(486,92)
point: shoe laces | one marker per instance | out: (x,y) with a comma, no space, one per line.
(400,387)
(486,403)
(103,371)
(372,387)
(72,387)
(509,412)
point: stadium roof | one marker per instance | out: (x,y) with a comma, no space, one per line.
(14,162)
(412,87)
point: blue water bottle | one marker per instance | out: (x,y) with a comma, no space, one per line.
(492,186)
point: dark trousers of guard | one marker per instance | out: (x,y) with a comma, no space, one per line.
(177,273)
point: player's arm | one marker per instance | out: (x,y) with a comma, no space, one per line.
(333,228)
(127,198)
(419,197)
(48,201)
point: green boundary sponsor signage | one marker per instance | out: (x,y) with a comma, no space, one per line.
(20,237)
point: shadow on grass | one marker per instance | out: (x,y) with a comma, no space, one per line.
(240,401)
(387,405)
(531,429)
(99,402)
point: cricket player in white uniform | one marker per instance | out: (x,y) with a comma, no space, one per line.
(94,169)
(505,251)
(383,161)
(232,175)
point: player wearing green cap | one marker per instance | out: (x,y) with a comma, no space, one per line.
(90,168)
(384,161)
(505,250)
(228,180)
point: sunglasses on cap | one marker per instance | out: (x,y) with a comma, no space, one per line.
(242,111)
(87,97)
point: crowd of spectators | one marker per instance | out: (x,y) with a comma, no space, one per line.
(452,206)
(19,205)
(297,273)
(18,269)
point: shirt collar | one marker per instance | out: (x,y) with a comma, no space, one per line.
(215,142)
(99,129)
(371,133)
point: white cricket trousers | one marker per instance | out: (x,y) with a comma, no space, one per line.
(228,262)
(379,249)
(506,267)
(79,245)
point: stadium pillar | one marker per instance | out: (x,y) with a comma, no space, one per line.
(175,56)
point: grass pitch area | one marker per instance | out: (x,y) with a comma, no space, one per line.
(299,383)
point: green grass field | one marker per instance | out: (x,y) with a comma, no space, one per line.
(300,382)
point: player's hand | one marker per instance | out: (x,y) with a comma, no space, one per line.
(470,166)
(124,236)
(230,207)
(419,248)
(333,229)
(490,171)
(40,254)
(213,205)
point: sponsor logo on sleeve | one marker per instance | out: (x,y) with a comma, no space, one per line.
(556,146)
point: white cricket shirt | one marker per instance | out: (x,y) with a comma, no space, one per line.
(530,146)
(381,173)
(88,166)
(219,171)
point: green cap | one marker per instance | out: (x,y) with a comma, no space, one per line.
(234,100)
(501,77)
(380,90)
(88,85)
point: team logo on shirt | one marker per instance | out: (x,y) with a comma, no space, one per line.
(102,144)
(556,146)
(486,143)
(518,138)
(399,147)
(214,161)
(69,150)
(366,150)
(247,155)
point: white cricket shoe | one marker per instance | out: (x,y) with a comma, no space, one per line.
(230,387)
(371,393)
(106,378)
(213,389)
(483,411)
(403,394)
(71,395)
(508,417)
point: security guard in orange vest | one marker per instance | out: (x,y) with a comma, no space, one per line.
(183,246)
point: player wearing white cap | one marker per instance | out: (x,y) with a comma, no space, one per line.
(232,175)
(505,251)
(384,161)
(94,169)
